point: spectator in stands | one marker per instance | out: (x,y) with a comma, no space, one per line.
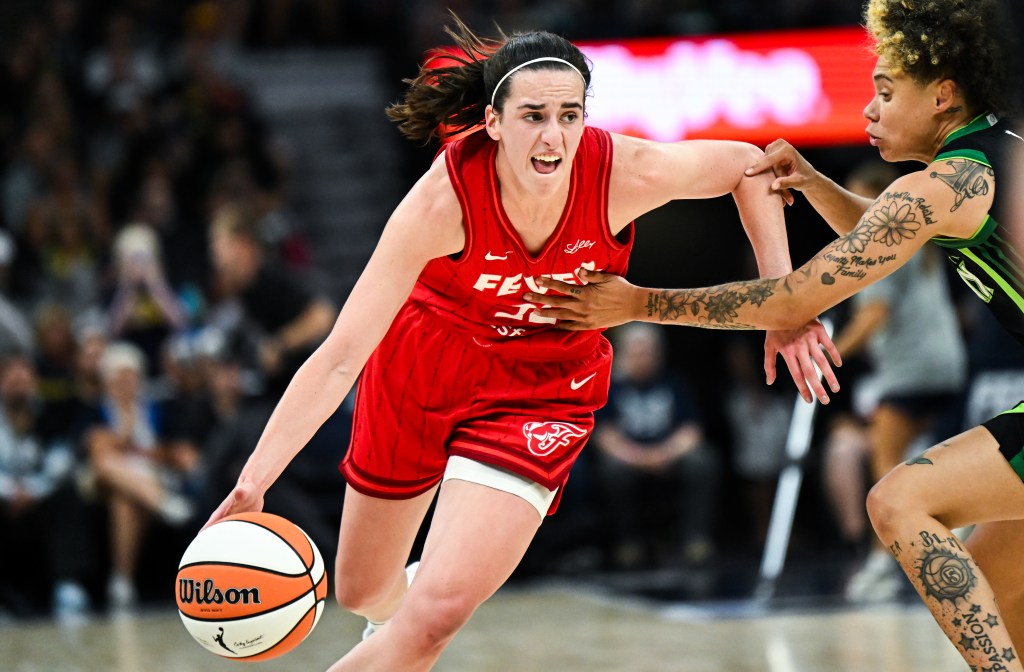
(144,310)
(188,412)
(122,72)
(654,461)
(15,328)
(46,548)
(65,239)
(288,319)
(138,478)
(182,240)
(759,419)
(90,343)
(56,353)
(25,179)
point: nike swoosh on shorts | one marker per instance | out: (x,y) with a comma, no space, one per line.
(577,384)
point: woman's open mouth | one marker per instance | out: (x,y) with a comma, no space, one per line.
(545,164)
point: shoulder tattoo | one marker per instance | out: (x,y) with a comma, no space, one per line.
(966,178)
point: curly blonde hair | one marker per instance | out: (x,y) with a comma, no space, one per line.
(968,41)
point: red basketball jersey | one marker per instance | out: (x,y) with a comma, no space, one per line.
(468,368)
(480,290)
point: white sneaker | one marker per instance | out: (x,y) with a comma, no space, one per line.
(121,595)
(879,580)
(175,510)
(70,603)
(372,626)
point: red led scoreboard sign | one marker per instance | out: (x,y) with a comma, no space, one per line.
(809,87)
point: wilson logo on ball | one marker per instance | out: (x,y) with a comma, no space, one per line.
(251,586)
(206,592)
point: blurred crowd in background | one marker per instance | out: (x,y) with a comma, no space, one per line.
(156,294)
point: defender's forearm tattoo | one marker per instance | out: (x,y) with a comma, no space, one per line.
(667,304)
(967,179)
(799,277)
(894,218)
(714,308)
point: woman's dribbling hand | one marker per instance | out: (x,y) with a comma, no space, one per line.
(244,497)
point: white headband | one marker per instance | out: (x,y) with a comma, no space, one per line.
(536,60)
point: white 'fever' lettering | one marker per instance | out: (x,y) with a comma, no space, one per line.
(504,285)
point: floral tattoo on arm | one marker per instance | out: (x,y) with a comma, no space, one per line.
(714,308)
(897,216)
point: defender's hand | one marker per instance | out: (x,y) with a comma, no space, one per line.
(605,301)
(792,171)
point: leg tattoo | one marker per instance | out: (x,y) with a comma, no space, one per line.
(959,597)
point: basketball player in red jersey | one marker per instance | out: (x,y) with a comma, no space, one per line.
(464,382)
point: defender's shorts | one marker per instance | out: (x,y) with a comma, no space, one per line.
(429,391)
(922,405)
(1008,429)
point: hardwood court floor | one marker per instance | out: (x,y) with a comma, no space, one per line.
(562,628)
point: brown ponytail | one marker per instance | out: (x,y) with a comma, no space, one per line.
(448,100)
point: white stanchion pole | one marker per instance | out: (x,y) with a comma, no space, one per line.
(787,491)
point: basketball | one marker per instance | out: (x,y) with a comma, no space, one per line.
(251,587)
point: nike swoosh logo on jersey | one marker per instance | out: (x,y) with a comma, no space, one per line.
(577,384)
(494,257)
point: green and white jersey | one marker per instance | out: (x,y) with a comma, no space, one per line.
(991,261)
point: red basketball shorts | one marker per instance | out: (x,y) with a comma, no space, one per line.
(429,391)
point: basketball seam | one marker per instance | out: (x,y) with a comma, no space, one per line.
(312,549)
(286,542)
